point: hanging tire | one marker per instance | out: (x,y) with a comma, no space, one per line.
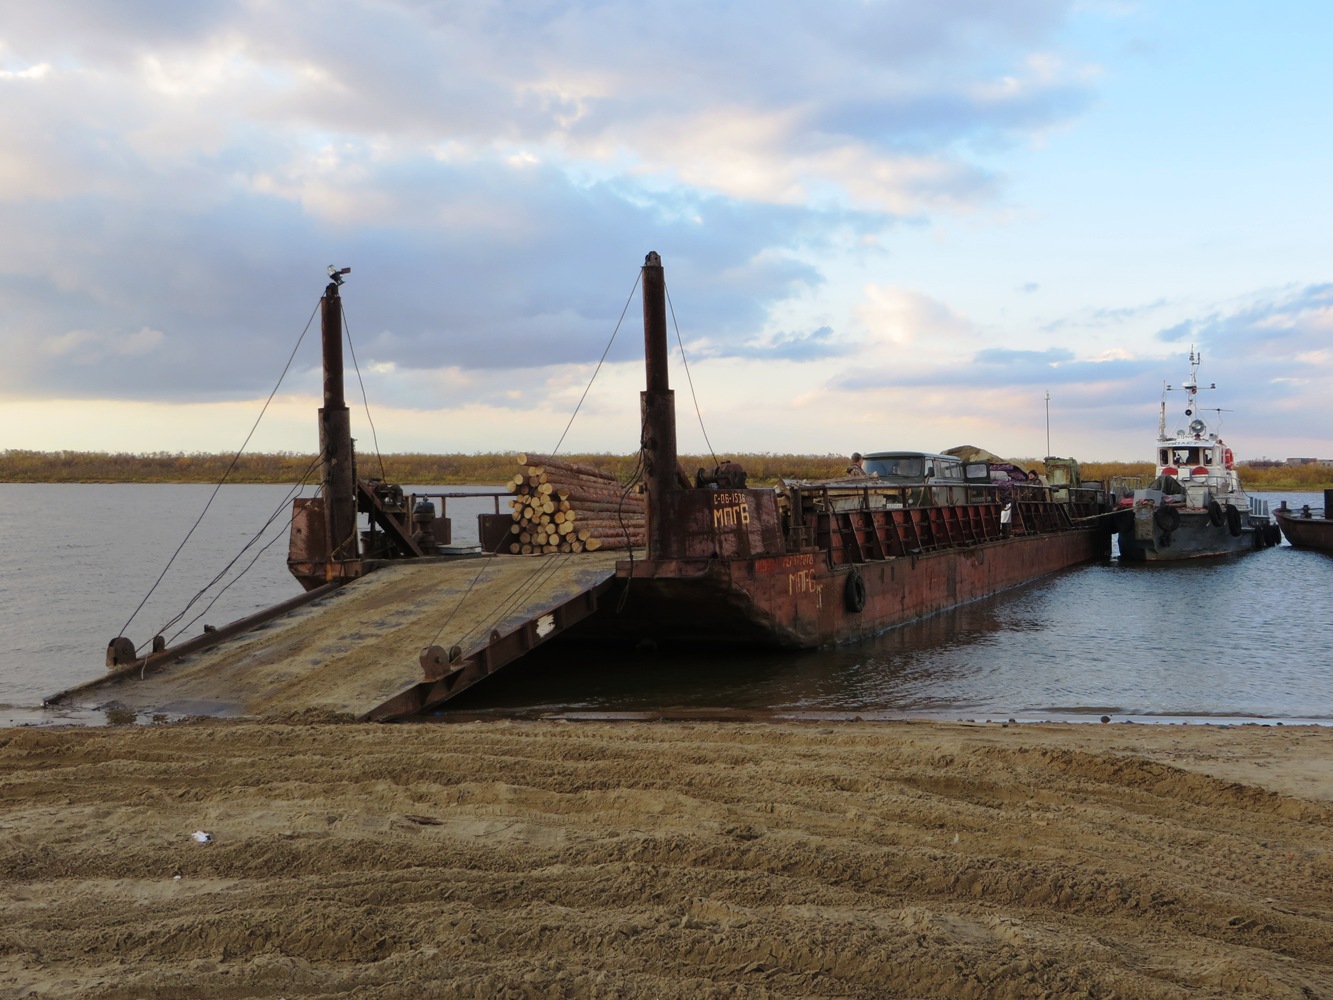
(1215,515)
(1167,519)
(1274,534)
(854,595)
(1233,521)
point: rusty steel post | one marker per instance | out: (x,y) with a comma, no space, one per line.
(335,437)
(658,410)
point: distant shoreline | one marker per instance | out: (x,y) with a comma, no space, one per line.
(283,468)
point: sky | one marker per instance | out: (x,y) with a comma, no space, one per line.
(884,224)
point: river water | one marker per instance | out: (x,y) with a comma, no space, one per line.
(1220,640)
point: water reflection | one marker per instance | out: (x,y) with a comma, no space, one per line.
(1228,638)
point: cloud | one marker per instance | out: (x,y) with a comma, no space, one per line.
(493,173)
(790,346)
(175,181)
(897,317)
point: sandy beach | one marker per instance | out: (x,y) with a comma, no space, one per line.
(666,859)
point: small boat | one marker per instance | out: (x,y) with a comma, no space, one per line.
(1196,506)
(1308,528)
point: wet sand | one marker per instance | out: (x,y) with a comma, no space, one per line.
(671,859)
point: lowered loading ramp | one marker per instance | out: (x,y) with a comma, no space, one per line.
(359,649)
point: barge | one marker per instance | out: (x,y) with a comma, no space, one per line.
(719,562)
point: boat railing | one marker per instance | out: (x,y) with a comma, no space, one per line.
(855,520)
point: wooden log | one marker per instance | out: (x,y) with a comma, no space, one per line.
(594,544)
(605,535)
(597,524)
(595,494)
(577,478)
(589,507)
(549,462)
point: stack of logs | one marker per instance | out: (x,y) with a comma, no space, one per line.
(564,507)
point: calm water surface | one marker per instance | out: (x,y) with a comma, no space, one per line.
(1244,638)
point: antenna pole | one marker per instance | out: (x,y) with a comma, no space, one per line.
(1048,424)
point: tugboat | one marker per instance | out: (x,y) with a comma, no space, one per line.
(1196,506)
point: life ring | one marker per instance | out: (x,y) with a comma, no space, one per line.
(1228,459)
(1215,514)
(1167,518)
(854,595)
(1233,521)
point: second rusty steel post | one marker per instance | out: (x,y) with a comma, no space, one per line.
(658,410)
(335,437)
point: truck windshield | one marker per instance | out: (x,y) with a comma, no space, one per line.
(911,468)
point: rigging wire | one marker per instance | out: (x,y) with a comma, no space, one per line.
(554,564)
(634,479)
(283,506)
(600,361)
(236,579)
(347,329)
(235,458)
(688,378)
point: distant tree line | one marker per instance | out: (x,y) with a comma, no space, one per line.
(495,468)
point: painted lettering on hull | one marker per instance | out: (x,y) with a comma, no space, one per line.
(730,509)
(805,582)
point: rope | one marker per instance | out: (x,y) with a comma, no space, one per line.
(283,505)
(347,328)
(230,468)
(550,565)
(628,301)
(698,412)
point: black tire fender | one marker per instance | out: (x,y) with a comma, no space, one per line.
(854,594)
(1233,521)
(1215,515)
(1167,519)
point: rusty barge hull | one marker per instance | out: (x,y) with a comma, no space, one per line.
(797,601)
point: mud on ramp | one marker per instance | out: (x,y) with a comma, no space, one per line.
(357,648)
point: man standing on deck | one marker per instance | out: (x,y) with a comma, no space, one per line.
(857,468)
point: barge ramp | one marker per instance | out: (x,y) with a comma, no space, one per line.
(376,648)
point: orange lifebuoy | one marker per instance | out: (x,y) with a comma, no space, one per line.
(1228,459)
